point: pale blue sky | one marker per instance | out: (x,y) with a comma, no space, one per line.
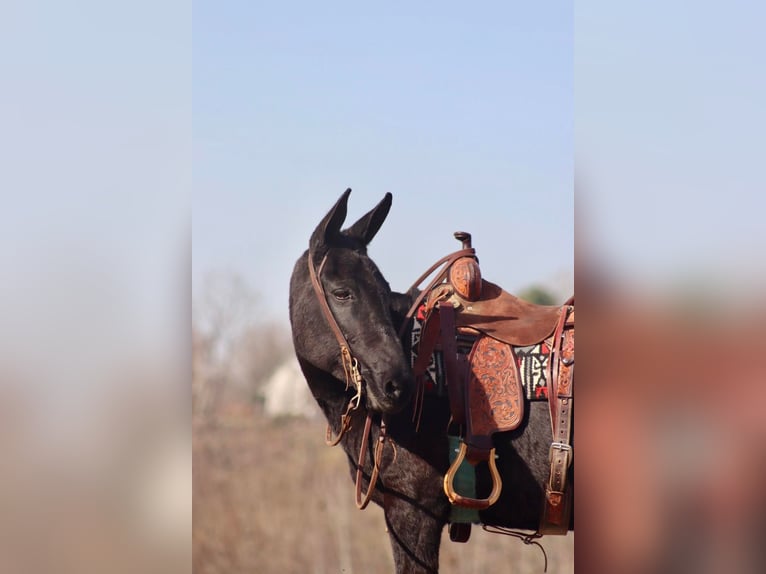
(670,128)
(95,166)
(464,113)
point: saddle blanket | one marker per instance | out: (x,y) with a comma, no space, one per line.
(531,360)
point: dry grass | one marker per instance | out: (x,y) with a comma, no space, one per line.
(270,497)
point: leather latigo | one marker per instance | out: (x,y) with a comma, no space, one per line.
(494,395)
(556,512)
(567,364)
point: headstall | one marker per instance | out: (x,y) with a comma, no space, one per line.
(353,374)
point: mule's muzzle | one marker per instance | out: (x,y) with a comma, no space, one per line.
(394,393)
(397,389)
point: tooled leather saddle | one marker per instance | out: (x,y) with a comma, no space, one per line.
(478,328)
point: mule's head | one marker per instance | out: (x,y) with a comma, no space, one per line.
(360,300)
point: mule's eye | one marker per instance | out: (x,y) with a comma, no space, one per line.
(342,294)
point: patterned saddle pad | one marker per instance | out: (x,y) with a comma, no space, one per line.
(532,361)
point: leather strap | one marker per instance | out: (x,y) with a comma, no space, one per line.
(350,364)
(553,368)
(447,261)
(455,382)
(557,503)
(428,337)
(322,298)
(362,503)
(426,345)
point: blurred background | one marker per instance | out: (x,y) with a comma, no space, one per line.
(95,175)
(669,128)
(110,313)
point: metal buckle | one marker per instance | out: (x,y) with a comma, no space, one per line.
(562,447)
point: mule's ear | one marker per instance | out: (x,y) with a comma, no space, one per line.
(329,228)
(369,224)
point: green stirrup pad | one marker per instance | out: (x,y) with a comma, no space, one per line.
(464,484)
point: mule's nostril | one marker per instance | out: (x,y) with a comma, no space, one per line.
(397,389)
(393,389)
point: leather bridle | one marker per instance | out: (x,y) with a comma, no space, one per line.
(354,376)
(349,362)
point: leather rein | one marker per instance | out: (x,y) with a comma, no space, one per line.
(353,375)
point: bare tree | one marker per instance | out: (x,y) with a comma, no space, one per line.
(226,307)
(234,350)
(223,310)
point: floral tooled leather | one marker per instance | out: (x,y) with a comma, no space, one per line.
(465,277)
(495,398)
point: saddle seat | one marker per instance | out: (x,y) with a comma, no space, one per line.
(505,317)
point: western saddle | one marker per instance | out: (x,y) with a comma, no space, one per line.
(482,376)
